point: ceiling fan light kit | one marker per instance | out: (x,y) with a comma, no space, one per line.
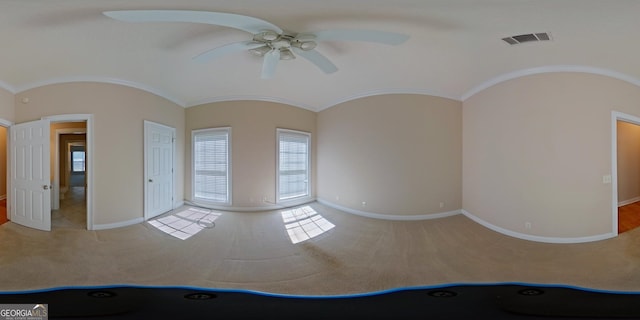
(268,41)
(260,51)
(286,54)
(305,45)
(266,36)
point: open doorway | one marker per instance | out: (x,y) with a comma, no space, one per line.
(34,153)
(625,171)
(4,216)
(628,175)
(69,168)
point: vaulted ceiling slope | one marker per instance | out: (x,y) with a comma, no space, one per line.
(455,47)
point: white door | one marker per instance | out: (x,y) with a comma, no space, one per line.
(158,140)
(30,175)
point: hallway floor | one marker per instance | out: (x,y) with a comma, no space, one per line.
(628,217)
(3,211)
(72,213)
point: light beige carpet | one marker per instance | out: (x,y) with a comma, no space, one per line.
(255,251)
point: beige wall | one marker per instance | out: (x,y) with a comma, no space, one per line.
(532,149)
(628,161)
(399,153)
(253,144)
(119,113)
(536,148)
(7,100)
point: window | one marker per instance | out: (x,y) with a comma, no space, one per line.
(211,165)
(293,164)
(77,159)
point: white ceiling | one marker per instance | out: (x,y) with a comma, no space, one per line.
(454,49)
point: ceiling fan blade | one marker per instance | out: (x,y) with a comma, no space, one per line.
(269,64)
(246,23)
(318,59)
(383,37)
(225,50)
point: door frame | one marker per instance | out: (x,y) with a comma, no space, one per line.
(7,125)
(56,165)
(615,117)
(147,123)
(90,152)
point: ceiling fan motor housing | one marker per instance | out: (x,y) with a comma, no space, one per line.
(282,42)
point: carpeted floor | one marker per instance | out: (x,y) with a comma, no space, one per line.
(311,250)
(255,251)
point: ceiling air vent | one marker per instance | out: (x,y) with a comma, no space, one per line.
(543,36)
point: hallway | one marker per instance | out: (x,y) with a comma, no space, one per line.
(628,217)
(73,210)
(3,211)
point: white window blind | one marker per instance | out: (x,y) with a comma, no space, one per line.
(211,165)
(293,164)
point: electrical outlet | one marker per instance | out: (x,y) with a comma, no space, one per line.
(441,204)
(264,199)
(527,225)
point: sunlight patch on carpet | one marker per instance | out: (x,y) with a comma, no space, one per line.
(304,223)
(186,223)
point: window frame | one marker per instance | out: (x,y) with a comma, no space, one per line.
(196,199)
(84,162)
(307,195)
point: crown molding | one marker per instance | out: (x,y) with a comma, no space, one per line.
(550,69)
(363,94)
(7,87)
(379,92)
(122,82)
(249,98)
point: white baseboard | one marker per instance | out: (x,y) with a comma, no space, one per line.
(178,204)
(186,202)
(117,224)
(629,201)
(538,238)
(390,216)
(271,206)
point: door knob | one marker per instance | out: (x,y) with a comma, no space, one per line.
(46,187)
(150,180)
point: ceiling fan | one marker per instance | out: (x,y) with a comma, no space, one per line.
(268,40)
